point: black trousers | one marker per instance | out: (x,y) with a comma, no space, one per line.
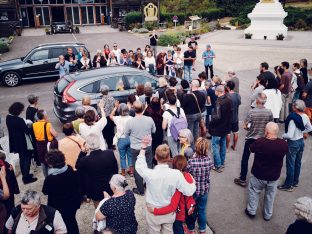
(109,132)
(210,67)
(25,160)
(245,158)
(149,160)
(69,217)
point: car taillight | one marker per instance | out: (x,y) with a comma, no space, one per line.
(67,98)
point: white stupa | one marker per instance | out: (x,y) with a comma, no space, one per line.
(267,20)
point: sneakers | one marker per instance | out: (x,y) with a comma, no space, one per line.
(296,185)
(249,215)
(30,180)
(240,182)
(285,188)
(217,169)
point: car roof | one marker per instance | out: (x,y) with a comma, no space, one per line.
(94,73)
(60,44)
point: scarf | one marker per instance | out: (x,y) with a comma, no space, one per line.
(57,171)
(297,120)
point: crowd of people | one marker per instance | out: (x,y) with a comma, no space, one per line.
(168,139)
(173,62)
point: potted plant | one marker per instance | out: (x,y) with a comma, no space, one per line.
(248,35)
(280,37)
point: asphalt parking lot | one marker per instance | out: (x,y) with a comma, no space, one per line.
(226,201)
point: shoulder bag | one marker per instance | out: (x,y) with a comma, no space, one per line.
(50,144)
(202,124)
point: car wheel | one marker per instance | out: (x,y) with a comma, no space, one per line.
(11,79)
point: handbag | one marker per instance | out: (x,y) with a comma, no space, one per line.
(202,124)
(50,144)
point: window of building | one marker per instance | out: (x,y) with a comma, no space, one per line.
(4,15)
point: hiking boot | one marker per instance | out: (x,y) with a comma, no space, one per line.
(240,182)
(249,215)
(285,188)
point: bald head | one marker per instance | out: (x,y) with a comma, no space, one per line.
(138,107)
(271,130)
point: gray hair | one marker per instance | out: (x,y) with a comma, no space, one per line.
(93,141)
(104,89)
(195,83)
(303,208)
(272,128)
(123,109)
(231,71)
(30,197)
(187,134)
(162,82)
(148,84)
(220,88)
(118,182)
(299,105)
(32,99)
(261,98)
(80,111)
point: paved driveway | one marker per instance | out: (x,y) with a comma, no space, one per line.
(226,201)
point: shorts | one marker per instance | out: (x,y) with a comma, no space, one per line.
(234,128)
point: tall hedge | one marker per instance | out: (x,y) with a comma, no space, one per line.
(132,18)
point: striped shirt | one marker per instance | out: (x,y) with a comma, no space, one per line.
(256,121)
(200,167)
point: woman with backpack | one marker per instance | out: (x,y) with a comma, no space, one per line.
(200,166)
(182,205)
(172,118)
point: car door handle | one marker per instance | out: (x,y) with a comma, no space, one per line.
(45,62)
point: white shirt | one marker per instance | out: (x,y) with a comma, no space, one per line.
(23,227)
(148,61)
(96,128)
(121,122)
(168,117)
(274,101)
(295,133)
(117,53)
(178,58)
(162,182)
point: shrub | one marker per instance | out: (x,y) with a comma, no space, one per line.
(135,25)
(150,25)
(169,39)
(213,14)
(4,47)
(143,30)
(132,18)
(301,24)
(135,30)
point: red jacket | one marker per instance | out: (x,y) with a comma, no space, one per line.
(179,203)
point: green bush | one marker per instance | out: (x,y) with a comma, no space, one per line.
(132,18)
(4,47)
(169,39)
(150,25)
(298,18)
(213,14)
(143,30)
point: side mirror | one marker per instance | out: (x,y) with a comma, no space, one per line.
(29,61)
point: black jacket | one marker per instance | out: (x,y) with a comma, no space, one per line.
(95,171)
(102,61)
(221,117)
(17,129)
(63,190)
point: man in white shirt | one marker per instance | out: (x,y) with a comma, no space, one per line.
(32,217)
(117,52)
(161,184)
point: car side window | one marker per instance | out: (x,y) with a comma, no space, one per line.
(135,80)
(114,83)
(40,55)
(89,88)
(56,52)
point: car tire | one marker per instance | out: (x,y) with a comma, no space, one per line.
(11,79)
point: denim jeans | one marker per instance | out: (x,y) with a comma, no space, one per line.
(124,152)
(149,160)
(293,161)
(245,159)
(193,124)
(255,188)
(188,73)
(219,150)
(199,214)
(178,227)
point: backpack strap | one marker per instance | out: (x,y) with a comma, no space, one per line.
(173,114)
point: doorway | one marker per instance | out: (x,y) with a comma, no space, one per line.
(31,17)
(57,14)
